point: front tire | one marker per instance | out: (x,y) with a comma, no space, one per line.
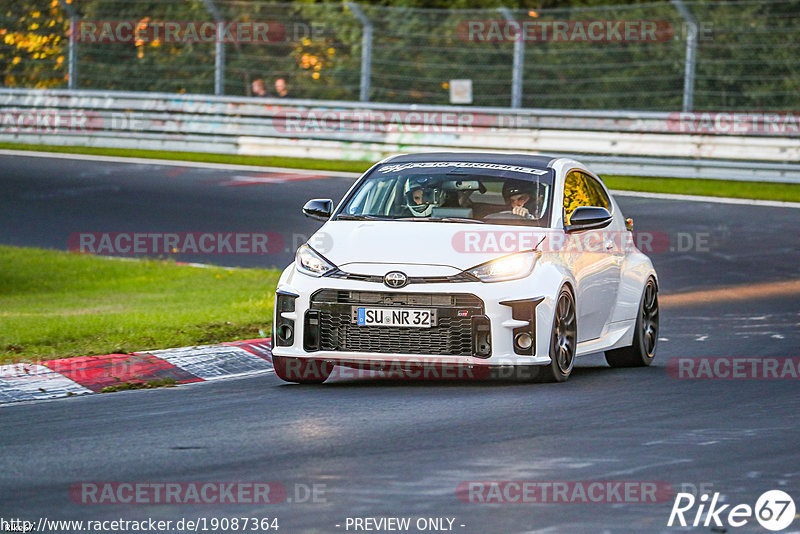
(301,370)
(645,336)
(563,340)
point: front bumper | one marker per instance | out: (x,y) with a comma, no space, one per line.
(498,303)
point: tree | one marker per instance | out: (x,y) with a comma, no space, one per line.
(33,44)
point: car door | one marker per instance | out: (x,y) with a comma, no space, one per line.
(594,256)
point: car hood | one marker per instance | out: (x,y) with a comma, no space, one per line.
(364,246)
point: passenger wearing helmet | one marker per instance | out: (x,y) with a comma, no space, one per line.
(422,196)
(520,198)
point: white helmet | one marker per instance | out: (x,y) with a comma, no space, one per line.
(429,196)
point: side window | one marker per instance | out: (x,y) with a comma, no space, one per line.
(580,189)
(597,194)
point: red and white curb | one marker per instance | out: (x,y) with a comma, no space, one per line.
(90,374)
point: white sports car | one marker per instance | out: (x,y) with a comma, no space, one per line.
(474,260)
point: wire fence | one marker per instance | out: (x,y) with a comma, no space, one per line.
(665,56)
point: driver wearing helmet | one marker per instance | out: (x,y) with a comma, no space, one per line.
(519,196)
(422,196)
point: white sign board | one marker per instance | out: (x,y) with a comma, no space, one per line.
(461,91)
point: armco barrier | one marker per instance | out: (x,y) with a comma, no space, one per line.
(614,142)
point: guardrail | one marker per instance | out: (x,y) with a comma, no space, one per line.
(614,142)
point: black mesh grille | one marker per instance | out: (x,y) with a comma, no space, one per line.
(337,296)
(452,334)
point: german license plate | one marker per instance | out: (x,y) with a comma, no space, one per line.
(408,317)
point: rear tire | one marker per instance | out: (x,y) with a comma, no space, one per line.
(645,336)
(563,340)
(301,370)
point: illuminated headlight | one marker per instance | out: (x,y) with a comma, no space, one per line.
(508,267)
(310,262)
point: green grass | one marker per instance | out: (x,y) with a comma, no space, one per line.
(125,386)
(683,186)
(264,161)
(60,304)
(711,188)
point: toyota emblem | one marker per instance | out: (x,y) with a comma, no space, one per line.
(395,279)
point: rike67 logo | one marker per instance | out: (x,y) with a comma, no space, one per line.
(774,510)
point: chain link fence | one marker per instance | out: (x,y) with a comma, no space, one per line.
(664,56)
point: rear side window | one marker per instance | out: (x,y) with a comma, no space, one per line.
(580,189)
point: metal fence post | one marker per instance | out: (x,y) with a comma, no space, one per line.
(72,60)
(519,59)
(366,50)
(219,49)
(691,55)
(72,56)
(219,62)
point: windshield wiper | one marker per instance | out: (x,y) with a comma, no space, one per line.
(439,219)
(457,220)
(347,217)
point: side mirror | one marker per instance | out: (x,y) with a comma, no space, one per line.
(318,208)
(587,218)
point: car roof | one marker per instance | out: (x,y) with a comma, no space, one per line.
(522,160)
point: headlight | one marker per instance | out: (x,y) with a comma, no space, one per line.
(509,267)
(309,261)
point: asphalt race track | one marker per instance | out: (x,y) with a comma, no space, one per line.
(397,448)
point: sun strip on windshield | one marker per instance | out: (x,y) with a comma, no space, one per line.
(397,167)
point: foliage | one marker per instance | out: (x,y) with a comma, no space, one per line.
(33,37)
(579,191)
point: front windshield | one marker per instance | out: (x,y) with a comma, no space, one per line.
(453,192)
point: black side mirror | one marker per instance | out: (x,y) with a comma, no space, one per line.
(587,218)
(318,208)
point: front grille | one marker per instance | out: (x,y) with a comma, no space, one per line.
(340,296)
(378,279)
(452,334)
